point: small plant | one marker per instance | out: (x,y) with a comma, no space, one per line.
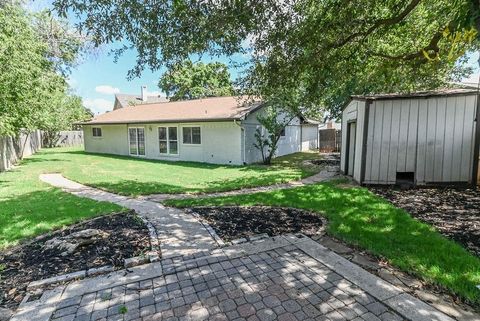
(123,309)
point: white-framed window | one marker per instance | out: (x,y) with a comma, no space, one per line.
(136,141)
(192,135)
(282,132)
(96,132)
(168,140)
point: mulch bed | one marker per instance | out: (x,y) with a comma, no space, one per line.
(128,237)
(233,222)
(454,212)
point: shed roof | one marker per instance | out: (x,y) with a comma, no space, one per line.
(419,94)
(201,110)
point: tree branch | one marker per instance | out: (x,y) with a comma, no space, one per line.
(432,46)
(379,23)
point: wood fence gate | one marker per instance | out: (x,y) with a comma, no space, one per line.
(329,140)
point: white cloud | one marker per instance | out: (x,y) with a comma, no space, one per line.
(98,105)
(107,90)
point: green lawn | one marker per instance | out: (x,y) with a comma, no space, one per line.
(134,176)
(360,218)
(29,207)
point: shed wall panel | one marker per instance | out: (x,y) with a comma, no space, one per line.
(422,132)
(385,140)
(394,133)
(349,113)
(411,160)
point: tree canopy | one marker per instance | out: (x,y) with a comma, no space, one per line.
(35,55)
(189,80)
(325,50)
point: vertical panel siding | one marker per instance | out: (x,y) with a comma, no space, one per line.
(439,139)
(377,143)
(384,153)
(433,137)
(393,153)
(403,135)
(468,139)
(369,142)
(457,141)
(357,175)
(412,137)
(422,132)
(449,138)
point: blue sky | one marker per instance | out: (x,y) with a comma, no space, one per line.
(98,77)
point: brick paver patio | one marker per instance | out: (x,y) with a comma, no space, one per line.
(280,278)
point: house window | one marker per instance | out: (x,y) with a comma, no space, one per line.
(191,135)
(168,140)
(136,138)
(282,132)
(96,132)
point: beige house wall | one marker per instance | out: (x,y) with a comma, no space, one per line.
(220,142)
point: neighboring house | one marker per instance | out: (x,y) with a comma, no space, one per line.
(125,100)
(420,138)
(217,130)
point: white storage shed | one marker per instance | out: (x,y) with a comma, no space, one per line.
(419,138)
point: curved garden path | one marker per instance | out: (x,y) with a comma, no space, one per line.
(327,173)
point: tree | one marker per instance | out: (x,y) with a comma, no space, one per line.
(189,80)
(278,113)
(63,111)
(32,67)
(330,48)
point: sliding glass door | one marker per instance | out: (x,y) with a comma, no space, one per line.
(136,139)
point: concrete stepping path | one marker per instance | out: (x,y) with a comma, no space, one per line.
(326,174)
(179,233)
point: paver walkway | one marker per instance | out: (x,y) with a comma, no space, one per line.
(282,278)
(179,233)
(327,173)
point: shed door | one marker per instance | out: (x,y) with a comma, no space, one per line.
(351,134)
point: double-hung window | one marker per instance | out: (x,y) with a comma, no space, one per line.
(168,140)
(96,132)
(191,135)
(136,138)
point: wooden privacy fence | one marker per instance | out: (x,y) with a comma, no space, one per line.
(11,147)
(329,140)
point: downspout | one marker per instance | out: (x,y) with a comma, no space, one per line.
(242,130)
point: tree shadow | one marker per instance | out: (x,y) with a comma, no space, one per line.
(38,212)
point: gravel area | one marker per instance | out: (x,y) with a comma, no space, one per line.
(125,236)
(233,222)
(454,212)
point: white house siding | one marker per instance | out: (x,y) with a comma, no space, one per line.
(354,112)
(114,139)
(309,137)
(432,137)
(290,143)
(220,142)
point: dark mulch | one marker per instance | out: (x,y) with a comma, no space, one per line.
(233,222)
(30,261)
(454,212)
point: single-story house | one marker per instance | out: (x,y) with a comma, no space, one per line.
(419,138)
(217,130)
